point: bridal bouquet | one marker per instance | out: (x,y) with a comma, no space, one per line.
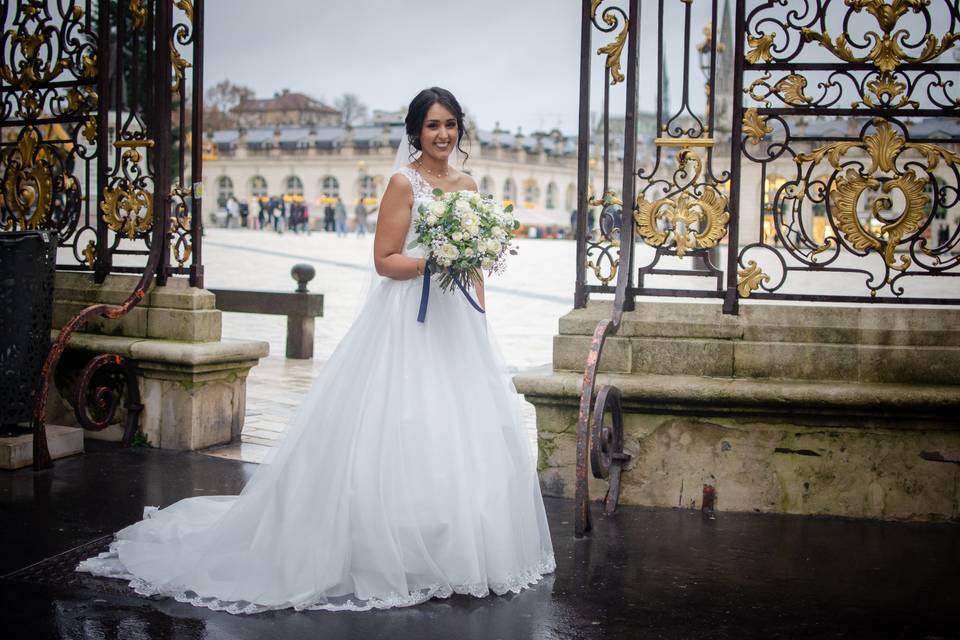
(464,232)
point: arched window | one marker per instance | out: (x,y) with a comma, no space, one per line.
(551,202)
(531,193)
(509,190)
(570,201)
(330,187)
(368,188)
(486,185)
(294,186)
(224,189)
(258,187)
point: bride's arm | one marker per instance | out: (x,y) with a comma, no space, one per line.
(392,225)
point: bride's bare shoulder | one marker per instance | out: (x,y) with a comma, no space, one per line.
(400,184)
(399,189)
(465,182)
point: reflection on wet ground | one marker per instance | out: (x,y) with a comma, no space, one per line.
(644,573)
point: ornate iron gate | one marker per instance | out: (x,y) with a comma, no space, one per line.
(101,100)
(822,165)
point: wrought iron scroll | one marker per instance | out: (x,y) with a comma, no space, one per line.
(682,208)
(133,198)
(604,443)
(62,120)
(598,236)
(849,112)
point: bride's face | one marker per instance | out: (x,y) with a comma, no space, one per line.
(439,134)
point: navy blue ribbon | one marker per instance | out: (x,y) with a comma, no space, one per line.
(425,293)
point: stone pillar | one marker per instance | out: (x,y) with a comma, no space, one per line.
(192,384)
(808,409)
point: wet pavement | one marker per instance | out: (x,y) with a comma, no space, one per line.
(644,573)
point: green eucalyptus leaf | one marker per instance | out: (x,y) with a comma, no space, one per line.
(437,192)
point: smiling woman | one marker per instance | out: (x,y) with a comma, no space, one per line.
(405,474)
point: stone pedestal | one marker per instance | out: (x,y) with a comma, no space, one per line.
(786,408)
(192,384)
(16,452)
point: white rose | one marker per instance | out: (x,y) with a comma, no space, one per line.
(475,198)
(449,252)
(498,233)
(469,252)
(457,236)
(469,220)
(491,246)
(436,208)
(487,263)
(473,229)
(462,207)
(431,219)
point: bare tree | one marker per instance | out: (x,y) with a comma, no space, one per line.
(220,99)
(350,108)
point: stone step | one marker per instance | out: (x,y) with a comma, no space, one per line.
(16,452)
(872,345)
(876,325)
(775,360)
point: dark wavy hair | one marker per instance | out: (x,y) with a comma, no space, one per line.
(417,113)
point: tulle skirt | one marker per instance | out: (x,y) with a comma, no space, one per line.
(404,475)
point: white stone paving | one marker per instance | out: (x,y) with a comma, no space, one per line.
(523,306)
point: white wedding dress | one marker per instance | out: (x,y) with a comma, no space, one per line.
(404,475)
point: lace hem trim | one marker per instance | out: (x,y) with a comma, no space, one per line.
(107,565)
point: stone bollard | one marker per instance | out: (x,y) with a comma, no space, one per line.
(300,327)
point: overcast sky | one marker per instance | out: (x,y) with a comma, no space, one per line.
(515,62)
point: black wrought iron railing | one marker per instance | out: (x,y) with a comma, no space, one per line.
(95,144)
(822,164)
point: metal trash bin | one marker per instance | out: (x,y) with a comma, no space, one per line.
(27,265)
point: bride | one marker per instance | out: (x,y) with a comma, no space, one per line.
(403,476)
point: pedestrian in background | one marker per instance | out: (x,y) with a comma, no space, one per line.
(328,214)
(340,217)
(233,210)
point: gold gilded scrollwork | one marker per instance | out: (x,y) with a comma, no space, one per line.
(187,7)
(791,89)
(179,66)
(128,209)
(90,253)
(27,180)
(180,225)
(887,52)
(704,218)
(33,70)
(604,279)
(609,199)
(760,47)
(883,147)
(885,85)
(750,278)
(138,14)
(682,214)
(755,126)
(615,48)
(90,129)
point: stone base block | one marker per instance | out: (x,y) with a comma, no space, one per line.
(193,394)
(876,451)
(17,452)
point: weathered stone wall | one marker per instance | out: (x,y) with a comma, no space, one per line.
(192,385)
(793,409)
